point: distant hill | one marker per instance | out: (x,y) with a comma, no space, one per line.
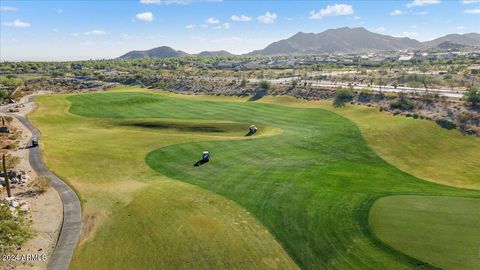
(470,39)
(160,52)
(221,53)
(446,45)
(343,39)
(340,40)
(167,52)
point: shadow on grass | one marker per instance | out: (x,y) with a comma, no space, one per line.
(250,133)
(257,95)
(200,162)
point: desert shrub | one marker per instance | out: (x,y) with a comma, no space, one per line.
(472,96)
(294,84)
(264,85)
(39,185)
(390,95)
(445,123)
(3,93)
(11,161)
(403,103)
(365,95)
(428,97)
(342,96)
(14,230)
(243,82)
(261,90)
(11,146)
(464,117)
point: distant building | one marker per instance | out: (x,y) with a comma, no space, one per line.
(405,57)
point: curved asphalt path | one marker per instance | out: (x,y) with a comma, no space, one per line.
(72,211)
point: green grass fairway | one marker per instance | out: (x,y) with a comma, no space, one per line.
(300,189)
(418,147)
(444,231)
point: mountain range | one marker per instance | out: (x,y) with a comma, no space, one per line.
(340,40)
(167,52)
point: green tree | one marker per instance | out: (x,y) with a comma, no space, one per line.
(3,93)
(472,96)
(342,96)
(264,85)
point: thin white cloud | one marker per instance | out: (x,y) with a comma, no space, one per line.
(7,8)
(212,20)
(419,3)
(472,11)
(144,16)
(380,29)
(223,26)
(420,13)
(267,18)
(335,10)
(241,18)
(396,12)
(470,1)
(357,18)
(190,26)
(460,27)
(17,23)
(95,33)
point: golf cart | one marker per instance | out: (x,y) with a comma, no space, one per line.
(34,142)
(251,130)
(206,155)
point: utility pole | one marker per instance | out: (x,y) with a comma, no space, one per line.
(7,181)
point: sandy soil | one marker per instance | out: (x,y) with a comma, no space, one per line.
(45,210)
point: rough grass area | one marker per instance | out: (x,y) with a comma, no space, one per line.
(444,231)
(309,178)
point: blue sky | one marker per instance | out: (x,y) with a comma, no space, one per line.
(72,30)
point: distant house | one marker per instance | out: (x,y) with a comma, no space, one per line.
(405,57)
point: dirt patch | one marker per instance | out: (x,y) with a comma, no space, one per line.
(89,224)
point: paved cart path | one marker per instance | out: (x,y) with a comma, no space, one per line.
(72,212)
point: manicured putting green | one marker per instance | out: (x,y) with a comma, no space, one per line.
(444,231)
